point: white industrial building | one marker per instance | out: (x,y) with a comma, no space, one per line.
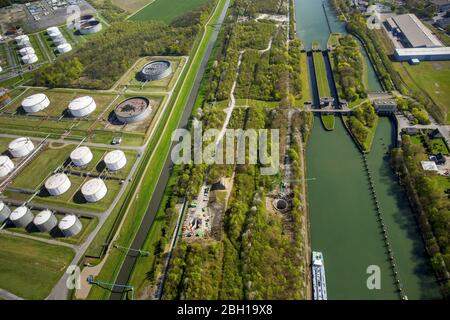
(58,184)
(21,147)
(70,225)
(115,160)
(82,107)
(26,51)
(35,103)
(422,54)
(4,212)
(21,217)
(30,59)
(94,190)
(6,166)
(45,221)
(64,48)
(81,156)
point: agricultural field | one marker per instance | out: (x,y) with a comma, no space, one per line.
(321,75)
(166,10)
(30,268)
(431,77)
(131,5)
(132,82)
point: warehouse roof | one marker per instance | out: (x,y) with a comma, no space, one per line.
(416,33)
(422,51)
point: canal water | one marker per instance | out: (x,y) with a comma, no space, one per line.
(343,217)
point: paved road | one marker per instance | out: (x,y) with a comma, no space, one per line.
(5,295)
(403,122)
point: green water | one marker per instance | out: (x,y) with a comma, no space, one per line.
(343,217)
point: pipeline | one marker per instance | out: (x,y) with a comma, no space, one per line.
(326,16)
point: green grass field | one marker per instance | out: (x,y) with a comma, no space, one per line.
(29,268)
(439,146)
(328,121)
(321,75)
(166,10)
(306,89)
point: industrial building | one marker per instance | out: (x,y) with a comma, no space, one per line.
(94,190)
(442,5)
(70,226)
(45,221)
(81,156)
(115,160)
(4,212)
(385,106)
(21,217)
(133,110)
(412,32)
(35,103)
(21,147)
(57,184)
(156,70)
(6,166)
(422,54)
(82,107)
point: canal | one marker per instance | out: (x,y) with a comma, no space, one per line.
(343,216)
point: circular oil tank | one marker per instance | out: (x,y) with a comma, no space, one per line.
(115,160)
(21,217)
(60,40)
(45,221)
(90,27)
(64,48)
(133,110)
(53,32)
(30,59)
(70,225)
(81,156)
(25,44)
(94,190)
(156,70)
(35,103)
(20,40)
(21,147)
(57,184)
(81,107)
(4,212)
(27,50)
(6,166)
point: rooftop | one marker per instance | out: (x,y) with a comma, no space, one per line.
(417,34)
(422,51)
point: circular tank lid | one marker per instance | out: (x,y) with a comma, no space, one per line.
(92,187)
(28,50)
(80,103)
(56,180)
(52,29)
(30,57)
(2,205)
(114,156)
(19,143)
(42,217)
(18,213)
(4,160)
(79,153)
(34,100)
(22,37)
(67,222)
(64,46)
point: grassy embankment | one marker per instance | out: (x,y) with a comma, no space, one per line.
(321,75)
(328,121)
(154,160)
(30,268)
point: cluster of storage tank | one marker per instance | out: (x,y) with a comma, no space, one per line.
(58,39)
(26,50)
(79,107)
(18,148)
(45,221)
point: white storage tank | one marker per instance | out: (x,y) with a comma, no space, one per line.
(30,59)
(20,40)
(35,103)
(81,156)
(115,160)
(6,166)
(21,217)
(53,32)
(64,48)
(27,50)
(45,221)
(70,225)
(59,40)
(57,184)
(94,190)
(21,147)
(4,212)
(81,107)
